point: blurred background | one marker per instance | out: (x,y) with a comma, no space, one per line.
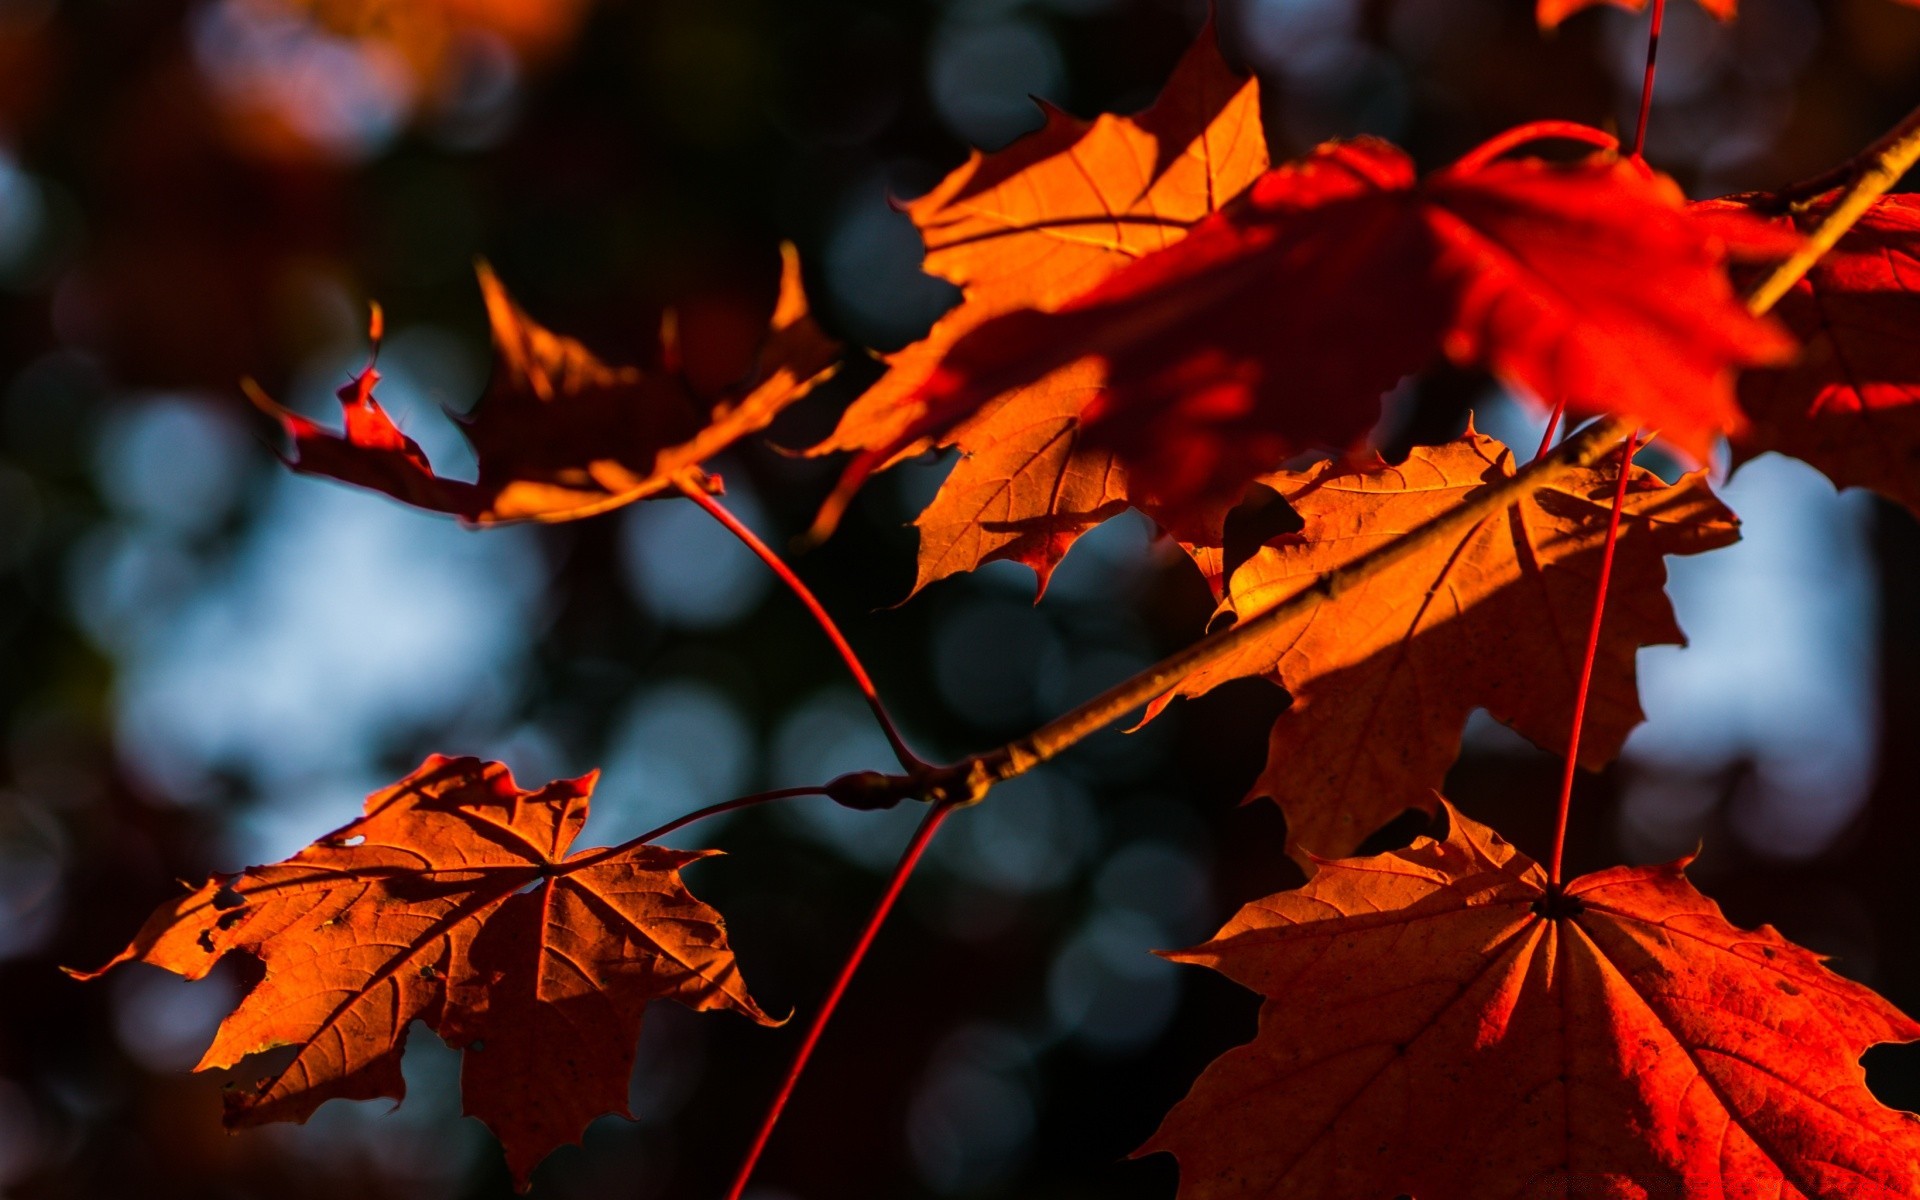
(206,661)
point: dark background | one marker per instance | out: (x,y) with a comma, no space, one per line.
(206,662)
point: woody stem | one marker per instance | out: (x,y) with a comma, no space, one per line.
(1593,652)
(909,859)
(1890,159)
(913,763)
(1578,452)
(1850,170)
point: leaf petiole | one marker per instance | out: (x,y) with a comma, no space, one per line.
(909,859)
(1593,652)
(914,764)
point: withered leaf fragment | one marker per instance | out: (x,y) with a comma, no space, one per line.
(560,434)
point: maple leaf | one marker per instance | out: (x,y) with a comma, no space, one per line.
(1443,1024)
(453,901)
(560,434)
(1850,405)
(1033,225)
(1385,675)
(1276,324)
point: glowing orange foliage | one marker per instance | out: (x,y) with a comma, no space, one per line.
(1153,318)
(1277,324)
(1035,224)
(1384,676)
(454,902)
(1441,1023)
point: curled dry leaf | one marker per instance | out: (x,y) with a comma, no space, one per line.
(1034,225)
(1850,405)
(1385,675)
(453,901)
(1442,1023)
(1276,325)
(560,434)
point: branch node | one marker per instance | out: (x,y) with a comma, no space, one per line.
(872,790)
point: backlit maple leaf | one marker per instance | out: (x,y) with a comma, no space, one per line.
(1385,675)
(1276,325)
(1850,404)
(1034,225)
(1441,1024)
(453,901)
(560,434)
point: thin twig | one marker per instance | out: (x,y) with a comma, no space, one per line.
(914,764)
(971,779)
(681,822)
(909,858)
(1794,194)
(1893,156)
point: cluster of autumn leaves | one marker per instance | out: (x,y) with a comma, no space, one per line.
(1154,317)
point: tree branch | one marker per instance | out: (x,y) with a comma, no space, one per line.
(1873,171)
(971,779)
(1795,194)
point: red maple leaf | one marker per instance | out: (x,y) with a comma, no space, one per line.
(1443,1023)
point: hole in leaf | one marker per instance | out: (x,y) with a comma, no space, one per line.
(1261,516)
(1893,1074)
(1400,832)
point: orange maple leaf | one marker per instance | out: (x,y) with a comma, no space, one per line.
(1033,225)
(1276,325)
(453,901)
(560,434)
(1850,405)
(1385,675)
(1443,1023)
